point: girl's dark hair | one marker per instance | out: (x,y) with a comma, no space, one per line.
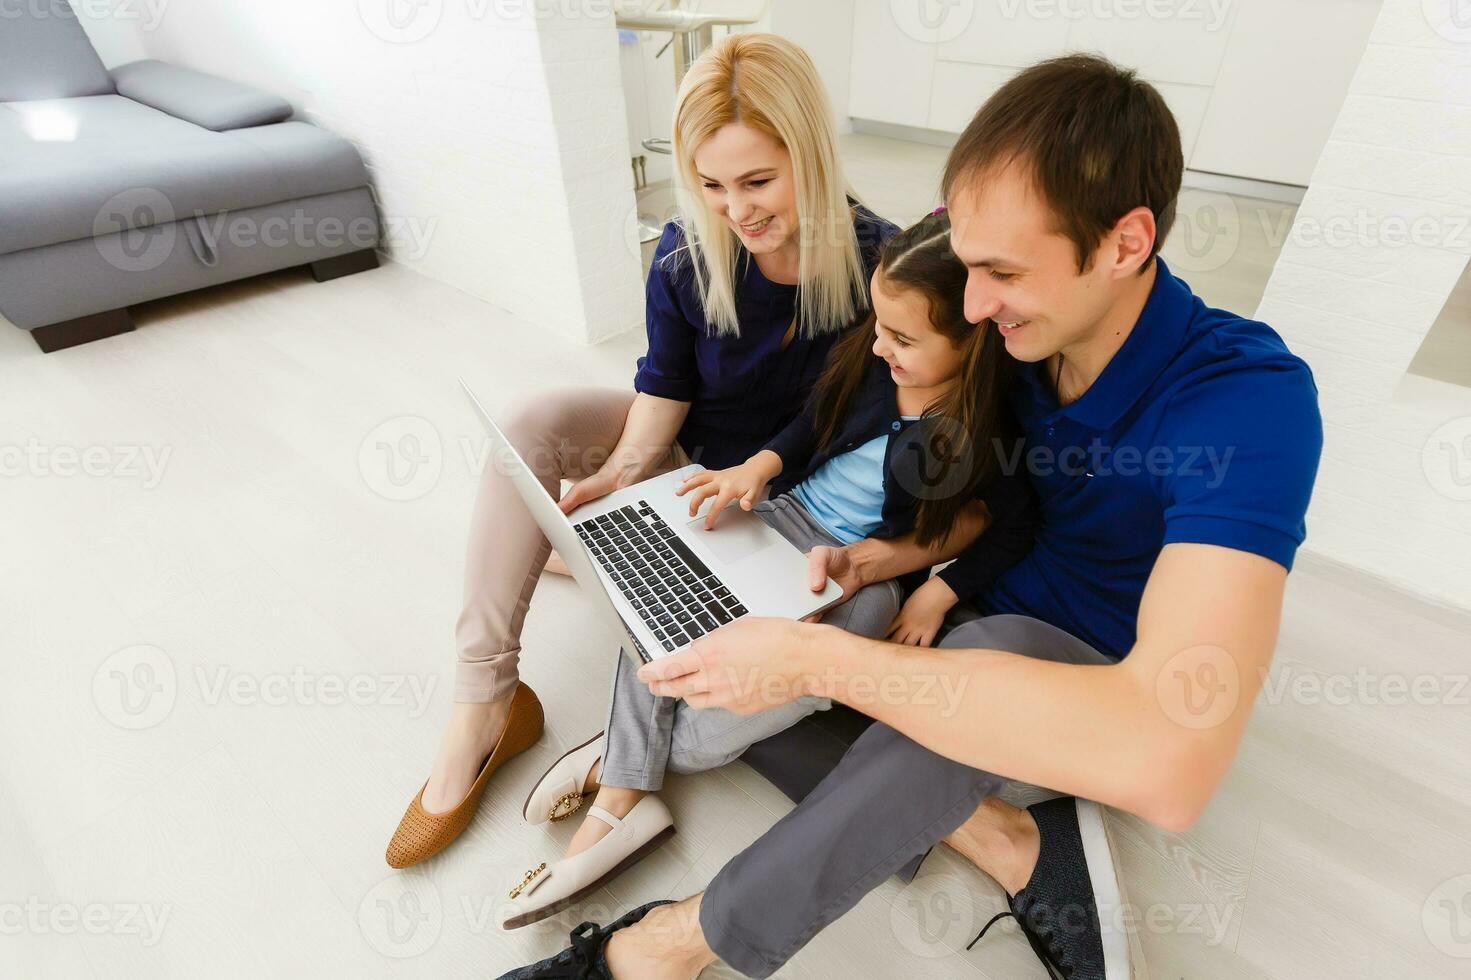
(962,428)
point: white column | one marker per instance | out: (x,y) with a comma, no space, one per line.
(1379,243)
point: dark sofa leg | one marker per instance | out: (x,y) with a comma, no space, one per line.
(82,330)
(345,265)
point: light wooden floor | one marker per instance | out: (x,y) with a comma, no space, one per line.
(186,790)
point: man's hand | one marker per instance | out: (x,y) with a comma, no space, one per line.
(747,666)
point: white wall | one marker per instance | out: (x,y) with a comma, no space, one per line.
(495,138)
(1254,84)
(1379,243)
(117,30)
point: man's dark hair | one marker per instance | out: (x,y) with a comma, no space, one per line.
(1096,141)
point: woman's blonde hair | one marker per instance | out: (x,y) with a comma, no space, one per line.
(770,84)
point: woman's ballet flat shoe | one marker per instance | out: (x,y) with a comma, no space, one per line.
(549,888)
(558,794)
(421,834)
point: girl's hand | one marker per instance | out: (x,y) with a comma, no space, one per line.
(744,483)
(923,614)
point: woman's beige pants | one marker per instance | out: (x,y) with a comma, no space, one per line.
(562,434)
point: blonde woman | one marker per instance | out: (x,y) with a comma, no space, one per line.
(766,267)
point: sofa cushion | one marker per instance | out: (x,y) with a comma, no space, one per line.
(45,54)
(205,100)
(75,168)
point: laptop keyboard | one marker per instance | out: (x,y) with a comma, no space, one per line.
(671,589)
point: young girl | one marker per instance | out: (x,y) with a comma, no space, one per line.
(900,435)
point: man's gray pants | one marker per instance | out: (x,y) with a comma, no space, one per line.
(889,801)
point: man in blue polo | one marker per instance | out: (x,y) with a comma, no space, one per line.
(1173,448)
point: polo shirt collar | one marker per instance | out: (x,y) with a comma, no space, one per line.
(1156,339)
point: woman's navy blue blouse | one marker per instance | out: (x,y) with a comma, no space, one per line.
(742,390)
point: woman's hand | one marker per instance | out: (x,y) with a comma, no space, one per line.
(744,483)
(923,614)
(599,484)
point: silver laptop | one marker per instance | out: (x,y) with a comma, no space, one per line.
(659,578)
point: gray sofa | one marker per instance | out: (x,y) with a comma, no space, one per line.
(151,180)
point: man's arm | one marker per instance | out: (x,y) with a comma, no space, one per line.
(1153,734)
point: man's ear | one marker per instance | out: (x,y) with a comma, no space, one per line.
(1133,236)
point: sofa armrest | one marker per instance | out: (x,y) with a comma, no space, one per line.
(195,97)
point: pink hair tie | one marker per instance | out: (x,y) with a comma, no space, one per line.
(938,210)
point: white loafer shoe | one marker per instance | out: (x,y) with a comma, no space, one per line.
(558,794)
(550,888)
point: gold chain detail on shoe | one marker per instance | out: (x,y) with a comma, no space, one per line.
(530,876)
(571,800)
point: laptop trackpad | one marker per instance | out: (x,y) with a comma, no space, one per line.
(737,535)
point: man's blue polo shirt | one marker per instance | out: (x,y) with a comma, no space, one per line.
(1203,428)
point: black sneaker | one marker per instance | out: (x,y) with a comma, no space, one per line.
(1058,908)
(583,960)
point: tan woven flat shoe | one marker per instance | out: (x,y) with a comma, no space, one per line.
(421,834)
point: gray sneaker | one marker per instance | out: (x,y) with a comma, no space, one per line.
(1058,908)
(583,960)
